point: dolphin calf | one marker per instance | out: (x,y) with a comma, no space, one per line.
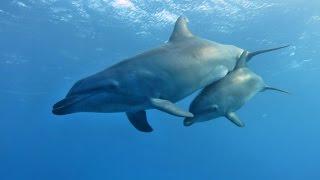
(228,95)
(155,79)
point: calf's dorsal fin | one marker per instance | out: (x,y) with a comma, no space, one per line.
(181,30)
(242,62)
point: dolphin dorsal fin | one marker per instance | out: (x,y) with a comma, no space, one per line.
(181,30)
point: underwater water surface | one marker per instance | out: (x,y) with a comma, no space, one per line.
(47,45)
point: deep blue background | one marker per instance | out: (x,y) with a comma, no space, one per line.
(46,45)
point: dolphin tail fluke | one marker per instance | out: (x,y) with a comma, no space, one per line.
(235,119)
(139,121)
(169,107)
(252,54)
(275,89)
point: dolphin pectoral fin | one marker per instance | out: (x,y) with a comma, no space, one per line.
(275,89)
(235,119)
(169,107)
(139,121)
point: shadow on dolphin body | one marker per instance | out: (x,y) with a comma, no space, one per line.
(155,79)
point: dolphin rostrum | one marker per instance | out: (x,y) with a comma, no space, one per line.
(228,95)
(154,79)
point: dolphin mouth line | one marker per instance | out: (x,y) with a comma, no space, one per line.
(68,102)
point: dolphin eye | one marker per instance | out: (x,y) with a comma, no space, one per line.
(214,107)
(111,85)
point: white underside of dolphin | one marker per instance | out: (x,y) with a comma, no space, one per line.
(154,79)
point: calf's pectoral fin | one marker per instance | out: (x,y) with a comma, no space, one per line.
(235,119)
(169,107)
(139,121)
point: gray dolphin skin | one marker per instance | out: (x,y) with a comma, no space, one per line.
(155,79)
(225,97)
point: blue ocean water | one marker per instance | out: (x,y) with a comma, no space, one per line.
(47,45)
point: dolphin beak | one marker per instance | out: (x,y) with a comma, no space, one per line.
(62,107)
(65,106)
(60,111)
(188,121)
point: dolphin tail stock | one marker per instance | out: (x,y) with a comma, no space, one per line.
(234,119)
(139,121)
(275,89)
(250,55)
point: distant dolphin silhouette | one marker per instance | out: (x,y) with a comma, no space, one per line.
(154,79)
(228,95)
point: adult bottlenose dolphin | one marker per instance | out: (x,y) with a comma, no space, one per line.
(154,79)
(228,95)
